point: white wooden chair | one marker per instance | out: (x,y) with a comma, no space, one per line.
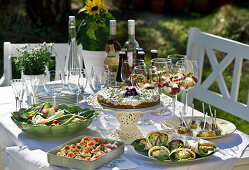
(61,50)
(200,43)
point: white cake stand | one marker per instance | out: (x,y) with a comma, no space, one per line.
(128,131)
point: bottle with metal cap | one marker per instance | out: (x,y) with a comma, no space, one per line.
(113,39)
(140,55)
(112,63)
(131,44)
(153,54)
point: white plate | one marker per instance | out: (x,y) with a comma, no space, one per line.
(225,126)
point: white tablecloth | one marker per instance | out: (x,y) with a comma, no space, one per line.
(22,151)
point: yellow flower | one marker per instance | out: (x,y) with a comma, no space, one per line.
(93,6)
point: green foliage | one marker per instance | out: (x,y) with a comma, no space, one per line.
(93,31)
(232,23)
(34,61)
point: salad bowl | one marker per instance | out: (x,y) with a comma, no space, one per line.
(46,120)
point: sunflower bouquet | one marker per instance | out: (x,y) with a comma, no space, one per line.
(93,30)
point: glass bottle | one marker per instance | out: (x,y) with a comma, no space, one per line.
(73,57)
(140,55)
(153,54)
(139,49)
(112,63)
(131,44)
(113,39)
(122,58)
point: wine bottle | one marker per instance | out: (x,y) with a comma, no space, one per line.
(139,49)
(131,44)
(140,55)
(122,58)
(153,54)
(113,39)
(112,63)
(73,57)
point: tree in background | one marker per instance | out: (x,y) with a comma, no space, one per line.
(52,13)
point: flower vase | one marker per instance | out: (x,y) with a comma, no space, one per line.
(92,58)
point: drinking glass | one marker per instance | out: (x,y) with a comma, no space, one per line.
(154,61)
(82,82)
(54,85)
(73,82)
(138,79)
(18,87)
(191,75)
(127,69)
(176,57)
(99,77)
(139,76)
(32,83)
(173,85)
(153,79)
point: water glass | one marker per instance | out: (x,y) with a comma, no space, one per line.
(127,69)
(82,82)
(99,77)
(18,87)
(54,84)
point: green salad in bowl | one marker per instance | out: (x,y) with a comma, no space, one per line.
(53,121)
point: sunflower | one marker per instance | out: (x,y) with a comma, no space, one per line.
(93,6)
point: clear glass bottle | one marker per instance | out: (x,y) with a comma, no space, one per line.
(73,58)
(113,39)
(112,63)
(131,44)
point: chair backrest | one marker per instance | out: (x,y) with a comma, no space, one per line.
(200,43)
(10,50)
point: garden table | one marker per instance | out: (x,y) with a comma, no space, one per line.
(22,151)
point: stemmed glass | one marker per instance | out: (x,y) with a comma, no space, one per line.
(18,86)
(73,82)
(54,85)
(173,85)
(99,77)
(32,83)
(82,82)
(162,71)
(191,75)
(138,79)
(127,69)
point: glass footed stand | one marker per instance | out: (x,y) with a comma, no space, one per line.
(127,131)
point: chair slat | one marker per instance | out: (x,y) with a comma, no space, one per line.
(201,42)
(236,78)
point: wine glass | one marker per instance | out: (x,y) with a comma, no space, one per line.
(73,82)
(54,85)
(191,75)
(173,85)
(176,57)
(154,61)
(18,86)
(138,79)
(162,71)
(82,82)
(99,77)
(139,76)
(127,69)
(153,79)
(33,84)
